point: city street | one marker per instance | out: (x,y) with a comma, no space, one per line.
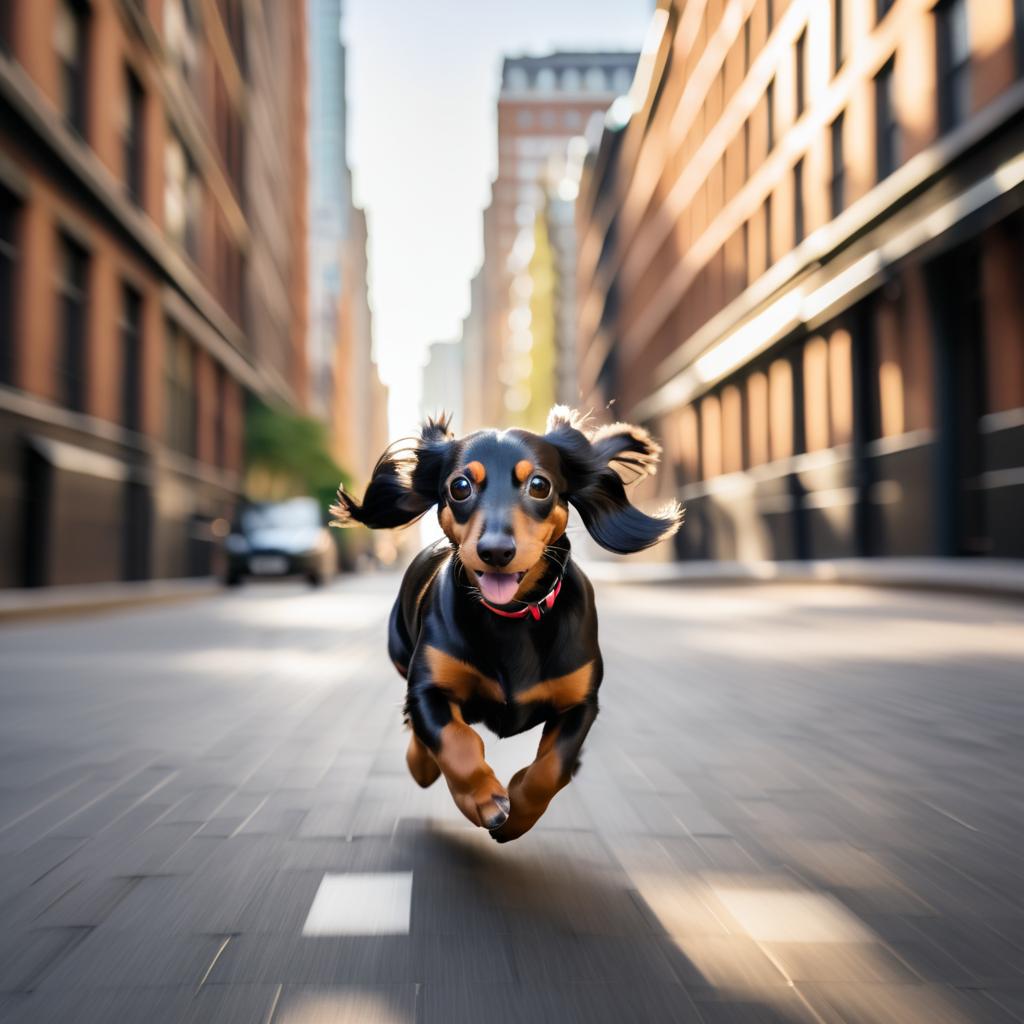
(800,803)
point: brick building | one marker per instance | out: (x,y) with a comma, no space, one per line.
(801,265)
(147,282)
(544,102)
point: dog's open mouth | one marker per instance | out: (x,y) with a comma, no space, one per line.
(499,587)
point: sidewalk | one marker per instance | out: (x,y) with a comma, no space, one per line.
(987,576)
(46,602)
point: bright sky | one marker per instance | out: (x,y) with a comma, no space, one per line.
(423,78)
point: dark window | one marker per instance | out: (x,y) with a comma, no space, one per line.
(770,103)
(798,202)
(746,46)
(1018,34)
(770,12)
(768,231)
(220,418)
(8,270)
(882,8)
(131,357)
(746,253)
(837,186)
(6,16)
(801,73)
(180,390)
(838,38)
(954,50)
(887,127)
(134,135)
(70,39)
(72,273)
(746,150)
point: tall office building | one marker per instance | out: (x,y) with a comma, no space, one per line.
(129,252)
(344,385)
(800,265)
(544,102)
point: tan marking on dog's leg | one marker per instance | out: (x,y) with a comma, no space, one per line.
(473,785)
(532,788)
(422,766)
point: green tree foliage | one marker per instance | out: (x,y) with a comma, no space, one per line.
(286,455)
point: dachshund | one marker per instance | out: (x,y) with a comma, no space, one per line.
(497,625)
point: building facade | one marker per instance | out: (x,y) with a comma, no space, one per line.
(543,103)
(330,196)
(802,265)
(128,258)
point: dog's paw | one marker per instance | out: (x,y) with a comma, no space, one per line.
(496,813)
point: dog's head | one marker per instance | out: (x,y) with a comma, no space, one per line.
(503,497)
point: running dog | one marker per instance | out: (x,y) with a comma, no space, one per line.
(498,625)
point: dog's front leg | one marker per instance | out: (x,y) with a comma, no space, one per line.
(439,729)
(532,788)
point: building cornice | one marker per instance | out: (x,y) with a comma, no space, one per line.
(821,286)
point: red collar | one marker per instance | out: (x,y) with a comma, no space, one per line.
(536,610)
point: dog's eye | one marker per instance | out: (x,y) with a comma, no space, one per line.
(540,487)
(460,488)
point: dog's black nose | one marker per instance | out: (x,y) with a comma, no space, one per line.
(496,550)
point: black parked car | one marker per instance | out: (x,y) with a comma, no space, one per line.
(280,538)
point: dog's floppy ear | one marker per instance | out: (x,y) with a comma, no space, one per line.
(597,463)
(405,483)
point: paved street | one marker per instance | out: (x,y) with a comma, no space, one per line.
(800,803)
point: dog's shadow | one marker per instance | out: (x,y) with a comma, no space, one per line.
(561,913)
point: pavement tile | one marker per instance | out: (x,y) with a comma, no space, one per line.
(886,1004)
(232,1004)
(107,958)
(154,1005)
(28,956)
(596,1003)
(355,1004)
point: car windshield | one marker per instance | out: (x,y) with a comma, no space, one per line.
(299,513)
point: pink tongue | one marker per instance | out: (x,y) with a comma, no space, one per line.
(498,587)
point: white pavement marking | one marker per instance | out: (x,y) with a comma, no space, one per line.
(361,904)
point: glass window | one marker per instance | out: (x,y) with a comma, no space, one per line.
(622,80)
(133,135)
(882,8)
(180,36)
(801,73)
(8,270)
(131,357)
(595,80)
(768,231)
(770,103)
(573,120)
(954,52)
(798,202)
(72,272)
(70,32)
(887,127)
(517,80)
(838,36)
(837,186)
(1018,34)
(524,118)
(572,80)
(546,80)
(179,390)
(746,46)
(182,197)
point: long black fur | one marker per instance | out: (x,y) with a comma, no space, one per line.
(405,483)
(596,489)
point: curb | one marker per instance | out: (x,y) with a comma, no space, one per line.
(88,599)
(995,578)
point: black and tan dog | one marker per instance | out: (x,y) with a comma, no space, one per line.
(499,626)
